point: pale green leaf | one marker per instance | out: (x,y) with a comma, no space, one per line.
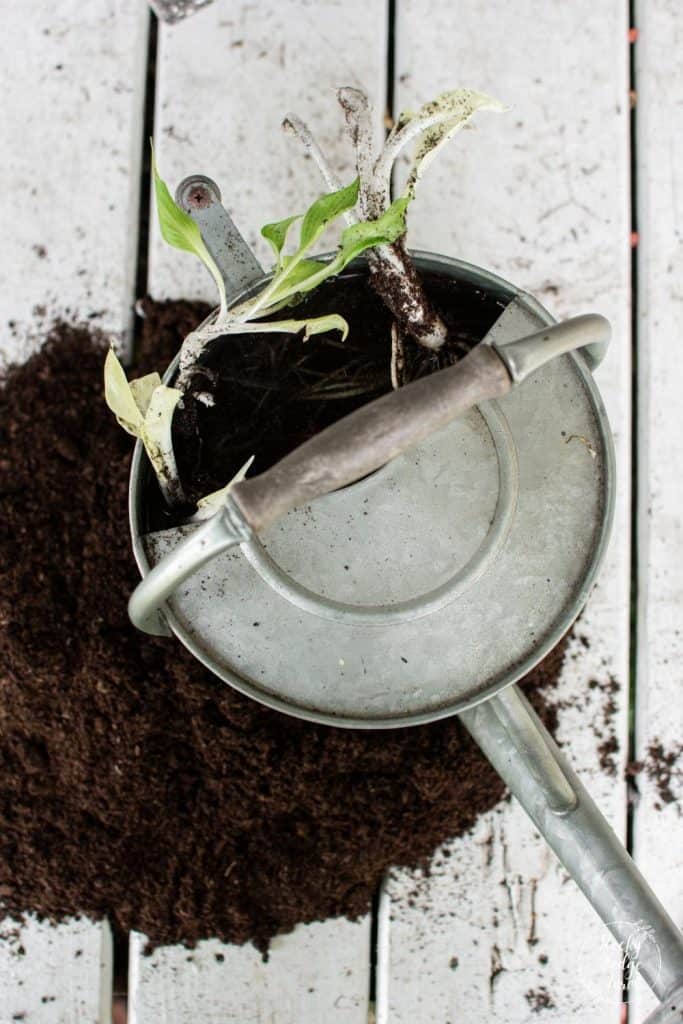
(276,234)
(386,230)
(301,272)
(180,231)
(143,388)
(156,434)
(310,326)
(325,210)
(144,408)
(211,503)
(320,324)
(119,396)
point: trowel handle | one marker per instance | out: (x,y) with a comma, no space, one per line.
(371,436)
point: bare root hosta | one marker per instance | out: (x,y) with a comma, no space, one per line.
(393,266)
(393,274)
(395,279)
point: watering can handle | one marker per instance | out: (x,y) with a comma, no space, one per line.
(355,446)
(368,438)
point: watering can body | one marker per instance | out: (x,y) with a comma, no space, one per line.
(431,583)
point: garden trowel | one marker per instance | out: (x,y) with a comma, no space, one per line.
(172,11)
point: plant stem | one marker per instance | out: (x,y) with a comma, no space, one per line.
(295,126)
(392,272)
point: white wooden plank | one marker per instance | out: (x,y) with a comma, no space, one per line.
(72,76)
(318,973)
(658,830)
(226,79)
(50,974)
(72,80)
(539,195)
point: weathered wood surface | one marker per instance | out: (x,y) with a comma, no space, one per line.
(318,973)
(226,79)
(72,79)
(658,825)
(540,195)
(73,89)
(54,974)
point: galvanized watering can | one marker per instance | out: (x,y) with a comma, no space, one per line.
(418,557)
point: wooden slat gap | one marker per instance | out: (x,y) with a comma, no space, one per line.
(145,204)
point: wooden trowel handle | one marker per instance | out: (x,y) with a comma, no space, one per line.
(366,439)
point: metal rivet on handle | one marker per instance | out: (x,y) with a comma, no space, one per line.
(197,192)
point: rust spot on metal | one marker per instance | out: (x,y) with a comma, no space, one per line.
(199,197)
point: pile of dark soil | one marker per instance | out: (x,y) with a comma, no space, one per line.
(133,783)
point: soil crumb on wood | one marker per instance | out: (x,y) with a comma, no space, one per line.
(539,999)
(133,783)
(601,718)
(606,732)
(662,767)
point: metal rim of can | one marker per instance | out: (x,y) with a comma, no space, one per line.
(486,280)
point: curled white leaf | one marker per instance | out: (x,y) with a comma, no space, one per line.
(119,395)
(463,103)
(156,435)
(435,122)
(195,342)
(144,408)
(143,388)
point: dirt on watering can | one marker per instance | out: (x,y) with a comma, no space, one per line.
(134,784)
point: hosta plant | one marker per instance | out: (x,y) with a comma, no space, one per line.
(375,225)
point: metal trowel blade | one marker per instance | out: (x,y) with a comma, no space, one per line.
(172,11)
